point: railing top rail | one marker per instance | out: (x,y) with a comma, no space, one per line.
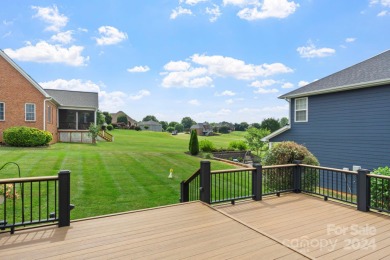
(233,170)
(193,176)
(279,166)
(28,179)
(328,169)
(378,176)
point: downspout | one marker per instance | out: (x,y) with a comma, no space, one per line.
(44,111)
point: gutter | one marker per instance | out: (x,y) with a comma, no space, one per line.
(44,111)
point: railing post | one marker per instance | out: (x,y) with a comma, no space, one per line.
(257,182)
(297,176)
(363,190)
(205,178)
(64,198)
(184,192)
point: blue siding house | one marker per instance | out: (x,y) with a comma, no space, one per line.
(344,118)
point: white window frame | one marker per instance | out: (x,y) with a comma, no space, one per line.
(300,110)
(25,112)
(3,111)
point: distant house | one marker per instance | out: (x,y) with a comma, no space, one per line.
(230,126)
(344,118)
(150,126)
(202,129)
(130,122)
(23,102)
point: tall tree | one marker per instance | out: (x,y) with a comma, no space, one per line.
(179,128)
(164,125)
(194,144)
(172,124)
(150,118)
(122,119)
(271,124)
(256,125)
(244,126)
(253,137)
(187,122)
(283,121)
(108,118)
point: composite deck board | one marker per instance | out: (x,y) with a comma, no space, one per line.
(191,230)
(301,221)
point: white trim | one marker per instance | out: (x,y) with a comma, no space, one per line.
(3,111)
(369,84)
(25,112)
(306,109)
(277,132)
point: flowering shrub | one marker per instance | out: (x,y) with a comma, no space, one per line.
(7,190)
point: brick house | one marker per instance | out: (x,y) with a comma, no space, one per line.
(23,102)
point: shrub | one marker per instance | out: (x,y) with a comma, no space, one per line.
(288,152)
(170,129)
(26,136)
(110,127)
(238,145)
(206,146)
(380,189)
(194,144)
(137,128)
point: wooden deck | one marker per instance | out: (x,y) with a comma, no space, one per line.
(293,226)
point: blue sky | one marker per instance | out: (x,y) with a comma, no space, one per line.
(212,60)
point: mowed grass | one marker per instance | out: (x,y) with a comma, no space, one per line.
(130,173)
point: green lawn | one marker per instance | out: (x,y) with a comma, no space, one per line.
(130,173)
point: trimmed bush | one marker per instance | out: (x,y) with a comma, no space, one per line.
(194,144)
(288,152)
(23,136)
(206,146)
(137,128)
(238,145)
(110,127)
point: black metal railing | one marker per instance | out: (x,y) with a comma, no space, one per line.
(329,182)
(278,179)
(190,189)
(379,193)
(230,185)
(37,200)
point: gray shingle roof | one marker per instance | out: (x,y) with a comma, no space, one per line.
(75,98)
(372,72)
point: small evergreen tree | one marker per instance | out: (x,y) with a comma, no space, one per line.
(194,144)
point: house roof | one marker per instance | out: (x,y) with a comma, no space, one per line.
(74,99)
(23,73)
(119,113)
(371,72)
(149,123)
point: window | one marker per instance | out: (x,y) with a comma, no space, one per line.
(301,109)
(30,112)
(2,111)
(49,114)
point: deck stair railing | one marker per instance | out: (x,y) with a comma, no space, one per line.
(34,201)
(366,191)
(106,136)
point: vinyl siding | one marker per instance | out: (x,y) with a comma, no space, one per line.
(346,128)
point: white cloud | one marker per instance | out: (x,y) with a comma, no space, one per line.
(63,37)
(192,2)
(385,3)
(350,39)
(229,67)
(177,66)
(108,101)
(266,91)
(240,2)
(179,11)
(263,83)
(110,35)
(383,13)
(269,9)
(229,101)
(51,16)
(139,69)
(302,83)
(311,51)
(225,93)
(44,52)
(193,78)
(287,85)
(214,13)
(194,102)
(141,94)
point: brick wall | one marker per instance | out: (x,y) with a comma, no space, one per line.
(15,92)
